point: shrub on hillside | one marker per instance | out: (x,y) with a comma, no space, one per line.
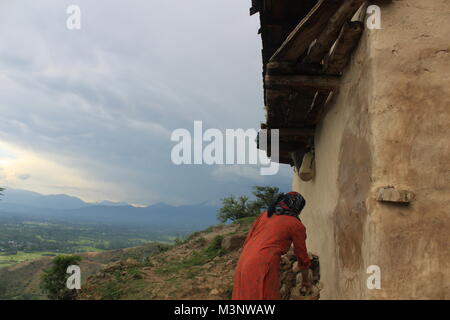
(54,279)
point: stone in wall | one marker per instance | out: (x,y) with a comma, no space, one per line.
(293,281)
(393,195)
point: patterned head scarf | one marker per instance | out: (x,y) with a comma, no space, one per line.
(290,204)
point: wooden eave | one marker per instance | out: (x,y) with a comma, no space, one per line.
(306,47)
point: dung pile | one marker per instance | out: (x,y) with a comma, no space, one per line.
(297,284)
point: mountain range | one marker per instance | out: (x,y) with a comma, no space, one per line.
(64,208)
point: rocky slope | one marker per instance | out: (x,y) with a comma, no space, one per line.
(201,267)
(22,281)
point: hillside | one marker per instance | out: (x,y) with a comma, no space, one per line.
(198,268)
(21,281)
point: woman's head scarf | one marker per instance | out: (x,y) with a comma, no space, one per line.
(290,204)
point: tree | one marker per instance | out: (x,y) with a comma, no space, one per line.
(54,279)
(265,195)
(234,208)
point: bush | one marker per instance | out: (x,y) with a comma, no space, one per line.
(215,247)
(2,290)
(54,279)
(135,273)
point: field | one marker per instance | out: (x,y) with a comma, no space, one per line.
(9,260)
(22,240)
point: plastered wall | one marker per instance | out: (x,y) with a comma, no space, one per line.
(389,126)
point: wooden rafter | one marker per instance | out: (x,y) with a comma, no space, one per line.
(323,82)
(303,63)
(306,31)
(326,39)
(348,39)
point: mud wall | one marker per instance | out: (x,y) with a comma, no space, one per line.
(389,126)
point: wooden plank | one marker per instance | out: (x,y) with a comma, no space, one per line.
(253,10)
(348,39)
(256,7)
(288,146)
(292,68)
(277,102)
(320,110)
(297,132)
(302,134)
(318,106)
(306,31)
(337,60)
(327,38)
(293,146)
(285,157)
(323,82)
(361,14)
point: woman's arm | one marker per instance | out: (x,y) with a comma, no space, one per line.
(299,240)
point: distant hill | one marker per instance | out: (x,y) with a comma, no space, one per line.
(34,199)
(65,208)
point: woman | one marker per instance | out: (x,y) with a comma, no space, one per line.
(271,236)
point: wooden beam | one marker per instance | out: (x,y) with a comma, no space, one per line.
(300,132)
(297,132)
(306,31)
(318,106)
(361,14)
(293,146)
(292,68)
(283,156)
(288,146)
(348,39)
(337,60)
(286,160)
(324,82)
(327,38)
(256,7)
(253,10)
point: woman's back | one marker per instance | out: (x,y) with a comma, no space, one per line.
(274,234)
(257,270)
(257,273)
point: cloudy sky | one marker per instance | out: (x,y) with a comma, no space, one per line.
(90,112)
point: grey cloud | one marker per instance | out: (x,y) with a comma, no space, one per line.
(105,98)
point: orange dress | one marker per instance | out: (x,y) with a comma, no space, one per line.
(257,273)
